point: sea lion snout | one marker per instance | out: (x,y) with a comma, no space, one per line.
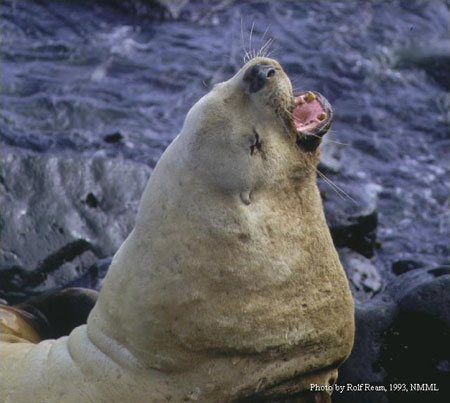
(257,76)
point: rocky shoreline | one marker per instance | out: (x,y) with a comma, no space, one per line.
(60,217)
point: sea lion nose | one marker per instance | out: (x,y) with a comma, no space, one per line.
(257,76)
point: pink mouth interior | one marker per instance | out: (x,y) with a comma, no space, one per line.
(307,114)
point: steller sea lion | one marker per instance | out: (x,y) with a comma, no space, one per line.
(229,287)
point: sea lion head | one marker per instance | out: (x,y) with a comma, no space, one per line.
(252,130)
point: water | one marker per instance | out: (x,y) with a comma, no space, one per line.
(74,73)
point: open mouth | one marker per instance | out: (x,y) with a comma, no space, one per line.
(312,116)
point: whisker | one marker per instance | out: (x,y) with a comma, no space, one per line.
(338,142)
(265,47)
(262,39)
(270,53)
(289,113)
(243,43)
(267,43)
(288,131)
(341,193)
(329,183)
(298,89)
(334,132)
(250,40)
(328,139)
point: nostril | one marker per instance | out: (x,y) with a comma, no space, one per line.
(257,76)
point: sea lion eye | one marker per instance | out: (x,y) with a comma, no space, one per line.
(257,145)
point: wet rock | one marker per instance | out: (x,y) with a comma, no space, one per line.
(402,337)
(353,221)
(161,9)
(440,270)
(93,277)
(150,9)
(365,280)
(113,137)
(56,314)
(372,319)
(434,59)
(54,272)
(60,215)
(420,337)
(330,154)
(403,266)
(407,282)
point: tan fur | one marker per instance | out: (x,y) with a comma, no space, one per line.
(210,298)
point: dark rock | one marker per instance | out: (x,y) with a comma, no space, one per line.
(440,270)
(154,9)
(406,283)
(365,281)
(353,221)
(60,215)
(285,394)
(434,59)
(420,337)
(94,276)
(113,138)
(372,319)
(91,201)
(402,337)
(56,314)
(403,266)
(54,272)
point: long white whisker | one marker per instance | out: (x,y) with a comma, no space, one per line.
(261,40)
(338,142)
(332,131)
(329,183)
(243,43)
(265,33)
(270,53)
(250,40)
(329,140)
(335,187)
(265,47)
